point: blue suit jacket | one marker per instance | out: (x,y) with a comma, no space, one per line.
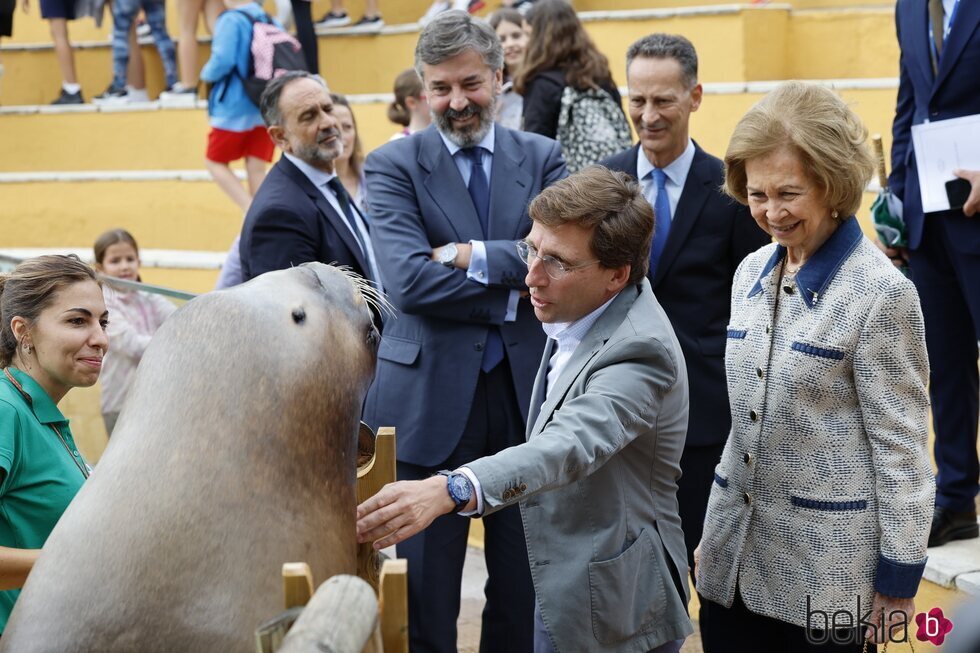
(430,355)
(952,93)
(710,234)
(290,222)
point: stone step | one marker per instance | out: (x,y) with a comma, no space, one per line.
(735,43)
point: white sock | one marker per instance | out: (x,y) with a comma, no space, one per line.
(71,89)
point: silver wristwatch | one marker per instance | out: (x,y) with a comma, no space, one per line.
(447,255)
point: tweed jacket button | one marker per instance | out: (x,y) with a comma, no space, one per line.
(768,328)
(754,416)
(508,495)
(747,458)
(523,487)
(747,497)
(788,290)
(758,372)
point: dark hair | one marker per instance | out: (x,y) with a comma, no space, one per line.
(667,46)
(357,156)
(269,102)
(407,84)
(453,32)
(558,40)
(612,203)
(506,15)
(28,290)
(110,238)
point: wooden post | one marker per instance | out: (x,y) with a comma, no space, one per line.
(341,617)
(297,584)
(371,477)
(393,599)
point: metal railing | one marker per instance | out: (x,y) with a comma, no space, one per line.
(8,263)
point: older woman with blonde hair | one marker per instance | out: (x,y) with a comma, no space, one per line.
(815,534)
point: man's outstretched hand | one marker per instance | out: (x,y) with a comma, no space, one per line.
(402,509)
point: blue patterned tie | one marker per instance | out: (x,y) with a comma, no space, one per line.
(661,216)
(479,189)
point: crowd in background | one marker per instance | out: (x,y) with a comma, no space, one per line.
(794,470)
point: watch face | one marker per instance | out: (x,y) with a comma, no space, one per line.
(460,488)
(448,254)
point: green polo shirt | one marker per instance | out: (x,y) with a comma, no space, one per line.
(41,478)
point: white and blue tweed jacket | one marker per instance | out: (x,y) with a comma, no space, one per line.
(824,489)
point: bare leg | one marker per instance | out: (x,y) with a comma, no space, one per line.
(228,182)
(136,70)
(188,11)
(255,169)
(371,8)
(62,49)
(212,9)
(336,6)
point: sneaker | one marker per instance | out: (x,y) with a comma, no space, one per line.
(179,95)
(373,24)
(136,95)
(69,98)
(142,29)
(112,95)
(331,19)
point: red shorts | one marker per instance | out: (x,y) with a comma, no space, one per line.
(225,146)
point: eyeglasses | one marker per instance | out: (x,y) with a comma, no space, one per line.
(552,266)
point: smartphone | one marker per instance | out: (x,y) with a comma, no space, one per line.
(957,190)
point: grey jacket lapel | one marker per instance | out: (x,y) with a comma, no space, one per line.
(540,382)
(593,341)
(445,184)
(510,186)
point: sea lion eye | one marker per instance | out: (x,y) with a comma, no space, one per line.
(299,315)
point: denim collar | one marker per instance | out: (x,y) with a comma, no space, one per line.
(817,273)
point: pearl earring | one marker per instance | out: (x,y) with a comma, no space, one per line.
(834,214)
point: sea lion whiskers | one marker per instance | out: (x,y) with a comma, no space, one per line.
(371,295)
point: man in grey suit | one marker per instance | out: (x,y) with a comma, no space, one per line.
(456,365)
(596,480)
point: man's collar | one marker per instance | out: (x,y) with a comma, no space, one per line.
(817,273)
(486,143)
(578,328)
(317,177)
(44,408)
(676,170)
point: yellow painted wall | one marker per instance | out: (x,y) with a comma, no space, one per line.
(756,43)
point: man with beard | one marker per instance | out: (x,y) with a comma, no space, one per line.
(457,365)
(301,212)
(700,237)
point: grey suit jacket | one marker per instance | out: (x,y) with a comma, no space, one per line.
(597,484)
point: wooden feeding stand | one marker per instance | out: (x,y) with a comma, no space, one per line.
(348,614)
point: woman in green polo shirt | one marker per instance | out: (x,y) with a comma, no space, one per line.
(52,338)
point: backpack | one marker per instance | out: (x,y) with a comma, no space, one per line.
(273,52)
(591,127)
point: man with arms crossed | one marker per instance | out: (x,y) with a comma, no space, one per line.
(596,480)
(456,365)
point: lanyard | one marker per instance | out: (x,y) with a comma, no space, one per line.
(84,469)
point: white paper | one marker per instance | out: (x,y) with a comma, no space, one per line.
(941,147)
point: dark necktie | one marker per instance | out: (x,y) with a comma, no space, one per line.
(479,188)
(936,19)
(344,200)
(661,220)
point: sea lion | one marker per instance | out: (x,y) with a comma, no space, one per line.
(235,452)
